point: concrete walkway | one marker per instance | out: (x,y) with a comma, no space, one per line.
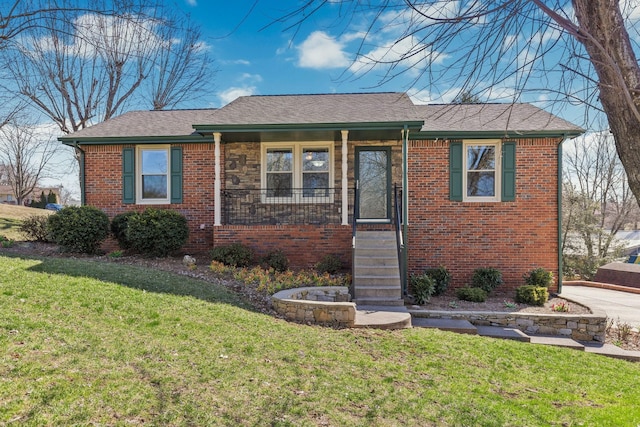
(619,306)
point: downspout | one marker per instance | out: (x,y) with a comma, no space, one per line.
(405,206)
(80,157)
(560,273)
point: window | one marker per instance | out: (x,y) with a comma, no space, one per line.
(298,172)
(482,171)
(152,174)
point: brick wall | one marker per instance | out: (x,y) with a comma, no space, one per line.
(103,170)
(514,237)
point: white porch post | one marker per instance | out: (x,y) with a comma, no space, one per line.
(345,180)
(217,199)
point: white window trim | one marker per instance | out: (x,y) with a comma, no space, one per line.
(139,199)
(498,170)
(296,149)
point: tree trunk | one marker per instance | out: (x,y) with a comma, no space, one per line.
(604,36)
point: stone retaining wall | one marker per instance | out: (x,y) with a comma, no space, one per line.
(583,327)
(320,305)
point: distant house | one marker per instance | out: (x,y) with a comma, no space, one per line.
(463,186)
(7,195)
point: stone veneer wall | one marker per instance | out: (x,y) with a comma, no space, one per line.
(584,327)
(323,305)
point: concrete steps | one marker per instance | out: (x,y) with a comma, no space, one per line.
(376,271)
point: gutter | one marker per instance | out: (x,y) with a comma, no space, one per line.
(80,157)
(560,272)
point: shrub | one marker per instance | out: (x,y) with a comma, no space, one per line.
(34,228)
(120,227)
(423,287)
(472,294)
(534,295)
(487,279)
(331,264)
(157,232)
(235,254)
(79,228)
(441,277)
(539,277)
(6,242)
(276,260)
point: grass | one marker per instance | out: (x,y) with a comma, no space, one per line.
(11,217)
(87,343)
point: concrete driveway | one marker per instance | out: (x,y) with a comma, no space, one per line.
(619,306)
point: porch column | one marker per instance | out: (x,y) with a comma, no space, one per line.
(345,180)
(217,199)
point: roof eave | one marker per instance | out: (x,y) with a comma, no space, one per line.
(572,133)
(106,140)
(206,129)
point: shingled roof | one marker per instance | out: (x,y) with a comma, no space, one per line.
(249,113)
(494,118)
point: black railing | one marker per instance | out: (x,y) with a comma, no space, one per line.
(397,221)
(283,206)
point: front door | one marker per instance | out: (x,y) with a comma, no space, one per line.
(373,177)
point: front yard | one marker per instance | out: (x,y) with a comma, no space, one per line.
(102,343)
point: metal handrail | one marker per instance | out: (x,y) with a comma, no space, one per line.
(397,219)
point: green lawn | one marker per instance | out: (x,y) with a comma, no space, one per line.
(86,343)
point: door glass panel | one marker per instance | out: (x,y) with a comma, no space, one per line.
(373,181)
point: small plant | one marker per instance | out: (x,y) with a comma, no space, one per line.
(219,268)
(276,260)
(423,287)
(472,294)
(533,295)
(115,254)
(235,255)
(442,278)
(486,279)
(5,242)
(453,304)
(563,307)
(79,228)
(34,228)
(331,264)
(509,304)
(539,277)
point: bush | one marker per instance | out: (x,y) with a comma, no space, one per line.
(34,228)
(120,227)
(79,228)
(331,264)
(539,277)
(235,255)
(276,260)
(472,294)
(534,295)
(423,287)
(6,242)
(486,278)
(441,277)
(157,232)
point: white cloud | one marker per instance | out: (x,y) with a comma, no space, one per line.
(192,2)
(321,51)
(255,78)
(232,93)
(421,97)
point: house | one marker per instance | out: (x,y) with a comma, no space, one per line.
(463,186)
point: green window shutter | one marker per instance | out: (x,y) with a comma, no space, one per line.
(508,171)
(128,176)
(176,174)
(455,171)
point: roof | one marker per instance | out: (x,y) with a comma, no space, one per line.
(154,123)
(505,119)
(366,112)
(320,108)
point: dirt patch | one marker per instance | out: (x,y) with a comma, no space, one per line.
(501,303)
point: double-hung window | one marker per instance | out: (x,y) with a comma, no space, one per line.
(153,179)
(152,174)
(482,171)
(297,172)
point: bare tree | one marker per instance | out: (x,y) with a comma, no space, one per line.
(597,201)
(579,50)
(26,155)
(80,67)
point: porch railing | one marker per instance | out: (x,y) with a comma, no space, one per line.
(285,206)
